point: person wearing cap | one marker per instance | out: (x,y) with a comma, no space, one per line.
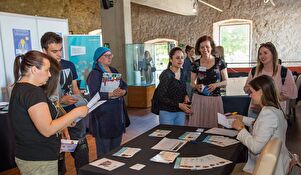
(107,120)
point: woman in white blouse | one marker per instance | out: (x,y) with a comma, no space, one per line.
(269,123)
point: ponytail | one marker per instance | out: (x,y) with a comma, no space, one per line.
(24,62)
(17,67)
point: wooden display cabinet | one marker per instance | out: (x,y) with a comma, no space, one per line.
(140,96)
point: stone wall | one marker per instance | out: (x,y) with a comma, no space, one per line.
(279,24)
(83,15)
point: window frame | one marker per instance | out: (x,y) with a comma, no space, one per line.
(234,22)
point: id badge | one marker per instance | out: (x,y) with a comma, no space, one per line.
(202,69)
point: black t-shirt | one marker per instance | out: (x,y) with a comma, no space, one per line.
(209,76)
(68,74)
(30,143)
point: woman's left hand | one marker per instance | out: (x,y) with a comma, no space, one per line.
(212,87)
(119,92)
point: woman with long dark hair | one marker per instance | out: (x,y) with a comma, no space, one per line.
(173,98)
(270,123)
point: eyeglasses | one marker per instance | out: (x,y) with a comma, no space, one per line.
(108,55)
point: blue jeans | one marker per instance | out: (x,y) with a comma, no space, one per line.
(171,118)
(105,145)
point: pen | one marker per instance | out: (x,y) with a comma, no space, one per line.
(231,113)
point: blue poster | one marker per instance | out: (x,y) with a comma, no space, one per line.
(81,51)
(22,41)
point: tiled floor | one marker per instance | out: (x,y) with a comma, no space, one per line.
(142,120)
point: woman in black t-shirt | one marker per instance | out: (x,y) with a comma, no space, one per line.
(34,117)
(207,76)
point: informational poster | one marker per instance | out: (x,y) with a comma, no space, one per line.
(22,41)
(81,50)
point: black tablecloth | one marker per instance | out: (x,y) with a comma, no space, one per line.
(145,142)
(7,143)
(239,103)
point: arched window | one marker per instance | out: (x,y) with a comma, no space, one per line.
(235,36)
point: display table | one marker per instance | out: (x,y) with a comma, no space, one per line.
(140,96)
(233,152)
(7,156)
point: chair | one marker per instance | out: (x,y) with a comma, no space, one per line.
(266,163)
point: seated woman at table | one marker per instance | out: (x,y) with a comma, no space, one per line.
(270,123)
(267,64)
(34,117)
(172,92)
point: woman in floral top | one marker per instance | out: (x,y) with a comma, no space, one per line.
(208,75)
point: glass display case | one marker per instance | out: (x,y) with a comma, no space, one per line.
(144,64)
(140,64)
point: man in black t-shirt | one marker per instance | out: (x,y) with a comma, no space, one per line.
(52,45)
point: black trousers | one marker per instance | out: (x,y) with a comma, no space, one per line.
(80,155)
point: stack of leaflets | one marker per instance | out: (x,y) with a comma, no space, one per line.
(220,140)
(81,100)
(68,145)
(107,164)
(224,120)
(200,163)
(127,152)
(190,136)
(165,157)
(222,131)
(160,133)
(167,144)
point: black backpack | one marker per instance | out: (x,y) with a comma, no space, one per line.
(283,73)
(155,103)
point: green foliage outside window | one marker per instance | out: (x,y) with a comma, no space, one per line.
(236,42)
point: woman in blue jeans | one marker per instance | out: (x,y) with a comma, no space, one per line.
(173,98)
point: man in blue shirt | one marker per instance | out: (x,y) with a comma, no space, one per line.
(52,45)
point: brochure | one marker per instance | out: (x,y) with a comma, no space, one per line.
(160,133)
(107,164)
(110,82)
(137,166)
(165,157)
(224,121)
(167,144)
(190,136)
(220,140)
(93,104)
(68,145)
(200,163)
(81,100)
(127,152)
(4,107)
(222,131)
